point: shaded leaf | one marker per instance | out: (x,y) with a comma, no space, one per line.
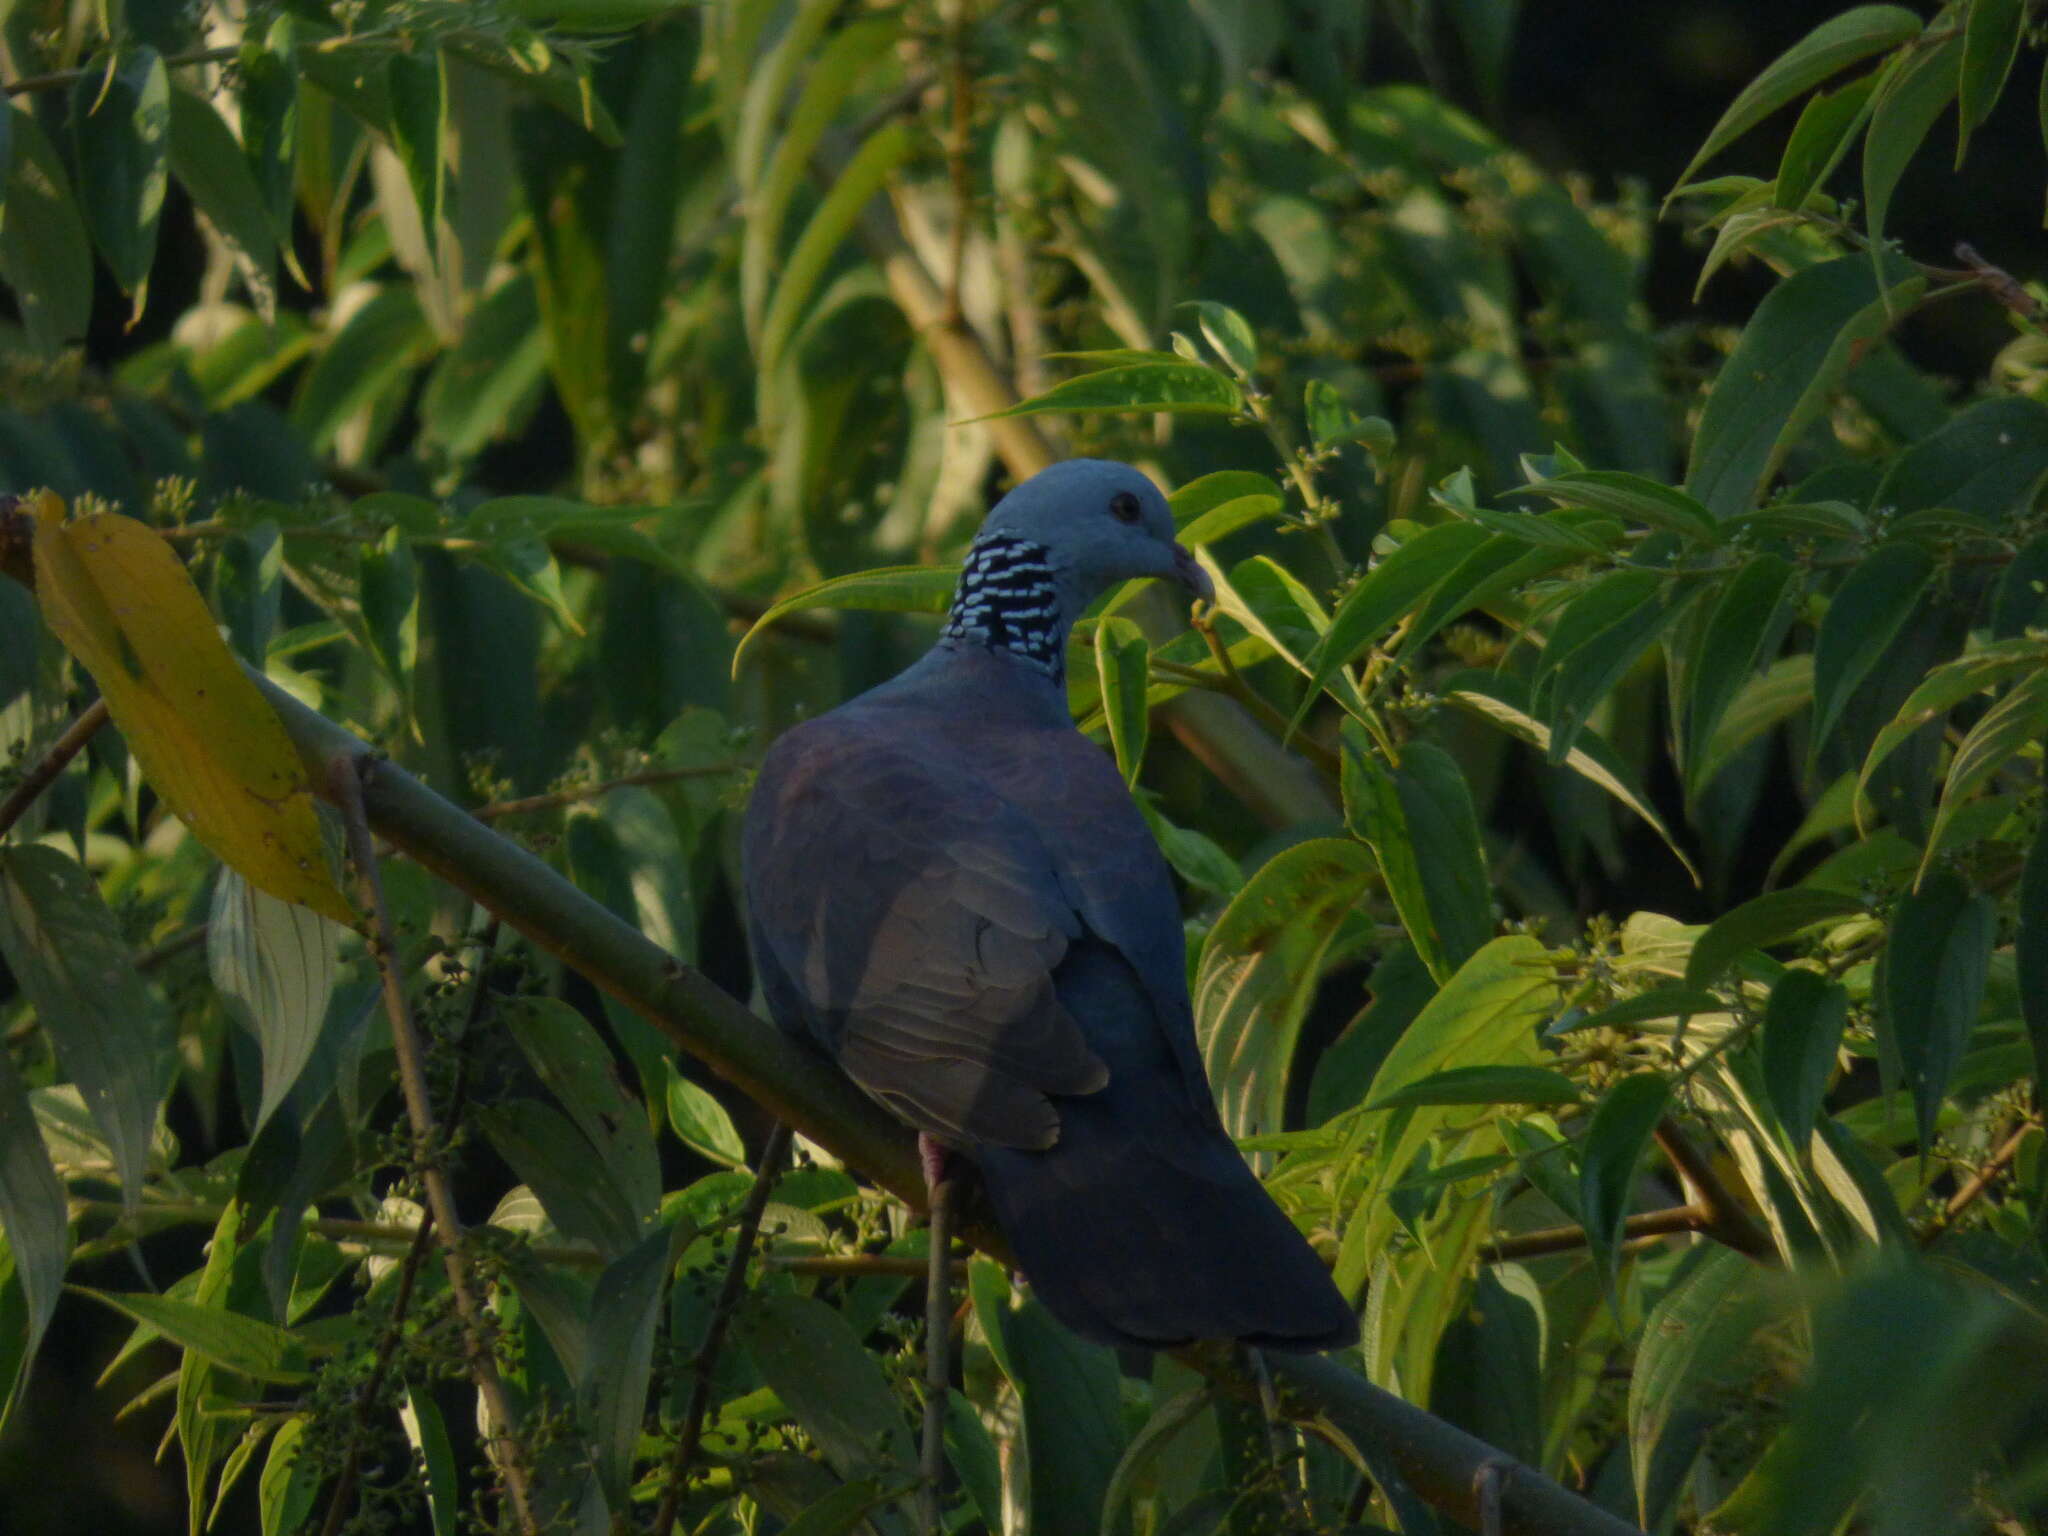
(811,1357)
(246,1345)
(1930,986)
(1762,921)
(1419,821)
(702,1124)
(112,1037)
(1991,41)
(1073,1414)
(1802,1032)
(1121,660)
(44,254)
(1135,387)
(209,165)
(1910,98)
(889,589)
(35,1231)
(120,132)
(1866,614)
(1616,1139)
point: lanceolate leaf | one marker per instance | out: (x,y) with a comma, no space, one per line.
(811,1357)
(1908,102)
(2031,950)
(888,589)
(1991,41)
(1766,919)
(2008,727)
(117,596)
(1828,49)
(1120,662)
(1418,818)
(1947,686)
(1136,387)
(1930,986)
(1794,351)
(113,1038)
(43,250)
(120,125)
(209,166)
(1866,614)
(246,1345)
(1073,1419)
(1484,1085)
(1259,968)
(1742,632)
(1822,136)
(1802,1032)
(1615,1142)
(418,87)
(273,963)
(35,1225)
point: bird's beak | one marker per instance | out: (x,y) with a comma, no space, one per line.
(1189,573)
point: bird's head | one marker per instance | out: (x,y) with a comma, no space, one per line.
(1100,523)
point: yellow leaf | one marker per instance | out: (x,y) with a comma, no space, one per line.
(116,595)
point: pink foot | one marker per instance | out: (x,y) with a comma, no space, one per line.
(935,1158)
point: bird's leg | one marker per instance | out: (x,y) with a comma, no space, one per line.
(938,1330)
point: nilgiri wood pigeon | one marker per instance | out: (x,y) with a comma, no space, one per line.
(951,892)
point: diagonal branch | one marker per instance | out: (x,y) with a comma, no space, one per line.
(800,1088)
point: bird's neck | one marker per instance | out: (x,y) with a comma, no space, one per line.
(1009,599)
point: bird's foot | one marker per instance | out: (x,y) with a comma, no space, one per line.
(937,1159)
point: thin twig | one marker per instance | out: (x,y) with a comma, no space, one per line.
(53,762)
(570,796)
(57,79)
(366,1395)
(154,1215)
(345,775)
(856,1265)
(1204,625)
(1548,1240)
(1982,1179)
(676,1477)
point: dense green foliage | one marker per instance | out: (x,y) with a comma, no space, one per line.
(540,351)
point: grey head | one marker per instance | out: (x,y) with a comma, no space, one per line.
(1055,544)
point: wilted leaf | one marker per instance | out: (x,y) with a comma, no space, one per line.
(116,595)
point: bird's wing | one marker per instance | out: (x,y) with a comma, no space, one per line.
(911,918)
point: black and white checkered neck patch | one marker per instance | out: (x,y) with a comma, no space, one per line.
(1007,600)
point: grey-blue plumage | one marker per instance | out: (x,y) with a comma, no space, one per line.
(950,890)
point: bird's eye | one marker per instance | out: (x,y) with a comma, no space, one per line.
(1123,506)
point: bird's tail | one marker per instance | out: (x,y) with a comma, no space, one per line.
(1143,1226)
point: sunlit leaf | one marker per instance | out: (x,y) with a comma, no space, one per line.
(116,595)
(890,589)
(1135,387)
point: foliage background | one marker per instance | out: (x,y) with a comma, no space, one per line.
(558,645)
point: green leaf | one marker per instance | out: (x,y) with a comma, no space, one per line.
(44,254)
(1783,690)
(1866,614)
(273,963)
(1741,634)
(572,1060)
(35,1229)
(973,1457)
(1136,387)
(417,85)
(1947,686)
(1761,921)
(618,1361)
(1910,99)
(1121,659)
(388,588)
(852,190)
(268,109)
(1930,985)
(1483,1085)
(888,589)
(120,131)
(1803,1027)
(290,1481)
(701,1122)
(845,62)
(1616,1138)
(1199,497)
(1258,971)
(246,1345)
(1388,591)
(209,166)
(1827,50)
(558,1163)
(381,344)
(1632,498)
(811,1357)
(1330,421)
(2010,726)
(1827,126)
(1230,334)
(1991,41)
(1419,820)
(2021,600)
(1803,338)
(2030,950)
(428,1432)
(111,1035)
(1692,1349)
(1594,643)
(1660,1003)
(1497,699)
(1072,1407)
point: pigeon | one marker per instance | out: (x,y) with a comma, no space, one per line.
(951,892)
